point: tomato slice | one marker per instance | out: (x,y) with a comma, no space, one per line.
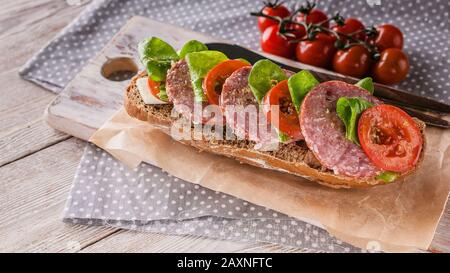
(214,80)
(288,121)
(390,138)
(154,87)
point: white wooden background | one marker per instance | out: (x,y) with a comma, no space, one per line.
(37,163)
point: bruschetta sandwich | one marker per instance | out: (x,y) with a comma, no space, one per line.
(333,133)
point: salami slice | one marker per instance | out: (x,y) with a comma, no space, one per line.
(180,91)
(324,132)
(239,105)
(242,111)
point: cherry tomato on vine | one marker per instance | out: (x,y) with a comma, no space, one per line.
(298,31)
(287,121)
(315,16)
(351,25)
(214,80)
(318,52)
(275,43)
(389,36)
(390,138)
(272,10)
(354,61)
(392,67)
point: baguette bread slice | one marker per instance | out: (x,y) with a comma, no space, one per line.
(294,158)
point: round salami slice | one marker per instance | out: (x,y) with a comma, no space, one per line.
(324,132)
(241,109)
(181,94)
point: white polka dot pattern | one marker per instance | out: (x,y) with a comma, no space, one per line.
(146,198)
(425,25)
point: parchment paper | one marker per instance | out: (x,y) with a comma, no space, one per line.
(396,217)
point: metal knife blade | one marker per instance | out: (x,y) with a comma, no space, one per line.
(234,51)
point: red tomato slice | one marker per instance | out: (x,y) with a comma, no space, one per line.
(154,87)
(214,80)
(288,121)
(390,138)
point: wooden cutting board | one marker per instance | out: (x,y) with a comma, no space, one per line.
(91,98)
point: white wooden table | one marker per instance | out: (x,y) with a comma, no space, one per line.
(37,163)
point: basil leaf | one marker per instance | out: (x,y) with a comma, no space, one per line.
(199,64)
(162,93)
(349,110)
(263,76)
(299,86)
(156,55)
(367,84)
(157,70)
(192,46)
(282,137)
(387,176)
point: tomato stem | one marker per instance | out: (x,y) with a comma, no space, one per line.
(343,40)
(275,4)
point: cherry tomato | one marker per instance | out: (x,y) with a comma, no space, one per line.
(354,61)
(389,36)
(298,31)
(288,121)
(392,67)
(154,87)
(390,138)
(315,16)
(277,10)
(214,80)
(318,52)
(351,25)
(274,43)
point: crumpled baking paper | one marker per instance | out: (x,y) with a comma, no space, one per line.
(398,217)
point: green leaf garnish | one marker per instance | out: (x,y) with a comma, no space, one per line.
(367,84)
(263,76)
(282,137)
(299,86)
(199,64)
(156,55)
(387,176)
(162,93)
(192,46)
(349,110)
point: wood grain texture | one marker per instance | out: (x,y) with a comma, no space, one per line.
(34,191)
(25,27)
(131,241)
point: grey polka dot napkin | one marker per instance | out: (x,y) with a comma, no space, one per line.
(425,24)
(105,192)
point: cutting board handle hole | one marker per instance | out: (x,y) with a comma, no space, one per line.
(119,69)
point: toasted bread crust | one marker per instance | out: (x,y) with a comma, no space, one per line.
(159,115)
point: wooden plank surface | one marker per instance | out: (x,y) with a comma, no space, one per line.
(34,192)
(25,27)
(131,241)
(34,182)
